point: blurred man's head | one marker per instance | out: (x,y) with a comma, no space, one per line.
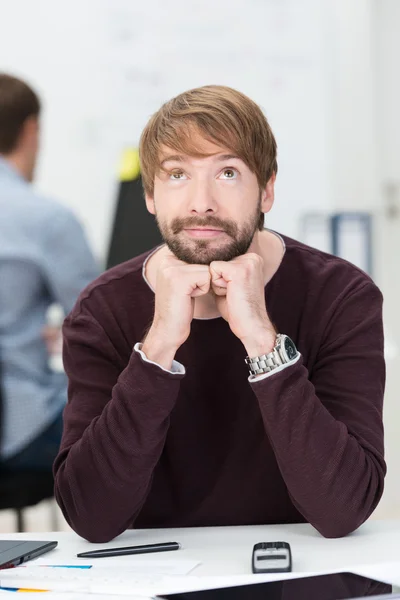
(19,124)
(208,161)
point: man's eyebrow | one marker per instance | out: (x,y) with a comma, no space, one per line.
(180,158)
(224,157)
(176,157)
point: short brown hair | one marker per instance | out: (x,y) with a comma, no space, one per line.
(221,115)
(18,102)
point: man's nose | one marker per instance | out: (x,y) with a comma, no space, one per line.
(201,198)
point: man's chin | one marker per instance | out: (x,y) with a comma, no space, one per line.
(203,254)
(196,258)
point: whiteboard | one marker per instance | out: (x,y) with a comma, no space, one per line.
(104,66)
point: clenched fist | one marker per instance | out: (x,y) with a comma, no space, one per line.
(240,296)
(177,286)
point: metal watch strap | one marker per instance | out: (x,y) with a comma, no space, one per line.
(259,365)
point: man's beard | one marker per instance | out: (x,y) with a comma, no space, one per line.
(202,251)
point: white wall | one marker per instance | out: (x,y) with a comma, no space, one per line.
(353,111)
(103,66)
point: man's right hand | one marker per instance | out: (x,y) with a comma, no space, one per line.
(177,286)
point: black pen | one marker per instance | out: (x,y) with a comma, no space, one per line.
(107,552)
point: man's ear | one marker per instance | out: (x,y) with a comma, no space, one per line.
(29,133)
(268,195)
(150,204)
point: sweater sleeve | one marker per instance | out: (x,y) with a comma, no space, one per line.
(325,426)
(115,425)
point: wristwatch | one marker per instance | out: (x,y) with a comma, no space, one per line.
(284,351)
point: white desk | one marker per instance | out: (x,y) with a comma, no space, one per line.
(226,551)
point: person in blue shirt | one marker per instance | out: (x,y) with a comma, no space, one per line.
(44,259)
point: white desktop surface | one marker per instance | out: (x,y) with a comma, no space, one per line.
(373,550)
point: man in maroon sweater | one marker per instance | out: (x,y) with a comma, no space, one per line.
(164,426)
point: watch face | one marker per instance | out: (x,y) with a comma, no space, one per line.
(289,348)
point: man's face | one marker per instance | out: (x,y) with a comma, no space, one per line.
(206,208)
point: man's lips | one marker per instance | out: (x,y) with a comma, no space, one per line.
(203,231)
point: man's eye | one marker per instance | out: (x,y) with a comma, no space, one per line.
(177,175)
(229,173)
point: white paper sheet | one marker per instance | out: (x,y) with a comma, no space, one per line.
(123,583)
(102,581)
(135,565)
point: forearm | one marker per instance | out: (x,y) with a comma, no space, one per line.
(334,477)
(159,349)
(102,478)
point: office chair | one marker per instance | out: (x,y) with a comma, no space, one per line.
(22,489)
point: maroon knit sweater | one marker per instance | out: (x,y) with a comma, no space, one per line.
(143,447)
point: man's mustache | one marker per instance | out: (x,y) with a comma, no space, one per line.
(179,224)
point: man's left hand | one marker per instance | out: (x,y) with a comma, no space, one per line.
(240,295)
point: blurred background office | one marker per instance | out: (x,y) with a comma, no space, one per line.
(325,73)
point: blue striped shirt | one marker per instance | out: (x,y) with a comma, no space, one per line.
(44,258)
